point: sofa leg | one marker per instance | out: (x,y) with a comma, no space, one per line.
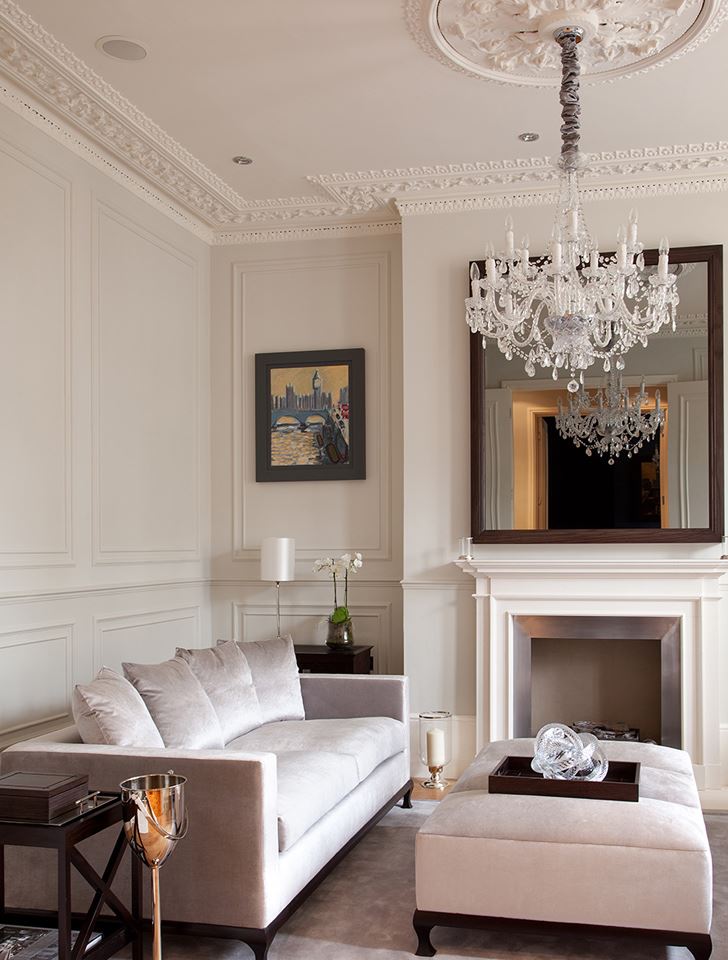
(701,946)
(423,930)
(260,947)
(407,800)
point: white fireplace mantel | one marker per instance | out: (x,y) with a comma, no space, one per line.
(691,590)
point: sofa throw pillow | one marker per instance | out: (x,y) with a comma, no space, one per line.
(226,679)
(275,675)
(179,706)
(109,710)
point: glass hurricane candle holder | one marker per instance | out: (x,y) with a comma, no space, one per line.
(435,746)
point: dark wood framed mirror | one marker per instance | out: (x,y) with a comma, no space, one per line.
(531,485)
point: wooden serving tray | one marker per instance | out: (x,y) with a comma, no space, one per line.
(514,775)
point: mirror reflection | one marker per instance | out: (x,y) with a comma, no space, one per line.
(644,461)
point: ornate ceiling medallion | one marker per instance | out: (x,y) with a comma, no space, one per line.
(511,41)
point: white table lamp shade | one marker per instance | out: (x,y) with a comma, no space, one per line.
(277,559)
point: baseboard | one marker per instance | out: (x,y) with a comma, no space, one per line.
(463,745)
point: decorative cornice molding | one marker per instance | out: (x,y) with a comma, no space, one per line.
(314,232)
(52,88)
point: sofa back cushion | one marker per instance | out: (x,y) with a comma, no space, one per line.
(225,676)
(275,675)
(109,710)
(178,704)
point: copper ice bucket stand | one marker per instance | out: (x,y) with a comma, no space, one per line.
(154,820)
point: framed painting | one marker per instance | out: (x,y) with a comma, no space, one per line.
(309,415)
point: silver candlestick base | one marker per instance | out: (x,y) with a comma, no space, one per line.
(435,782)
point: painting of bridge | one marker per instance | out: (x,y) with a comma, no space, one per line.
(308,409)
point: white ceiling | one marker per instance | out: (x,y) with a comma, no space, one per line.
(329,87)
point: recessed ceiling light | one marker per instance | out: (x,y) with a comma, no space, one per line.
(528,137)
(121,48)
(242,161)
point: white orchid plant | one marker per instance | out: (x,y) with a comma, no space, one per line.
(339,569)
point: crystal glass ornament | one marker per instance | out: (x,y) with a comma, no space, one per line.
(562,754)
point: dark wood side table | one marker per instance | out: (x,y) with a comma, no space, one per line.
(63,834)
(318,658)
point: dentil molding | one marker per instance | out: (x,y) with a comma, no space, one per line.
(55,90)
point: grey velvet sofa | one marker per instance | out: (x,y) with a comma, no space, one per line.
(269,815)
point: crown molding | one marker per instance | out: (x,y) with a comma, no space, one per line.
(52,88)
(320,231)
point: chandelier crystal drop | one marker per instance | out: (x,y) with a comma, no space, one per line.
(575,306)
(609,422)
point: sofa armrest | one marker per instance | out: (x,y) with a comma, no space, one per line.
(334,696)
(231,797)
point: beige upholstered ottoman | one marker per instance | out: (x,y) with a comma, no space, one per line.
(557,865)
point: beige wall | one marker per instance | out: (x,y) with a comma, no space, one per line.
(438,607)
(321,294)
(104,491)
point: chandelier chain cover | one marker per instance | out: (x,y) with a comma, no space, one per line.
(575,306)
(609,422)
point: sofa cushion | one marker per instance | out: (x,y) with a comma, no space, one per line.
(320,762)
(275,675)
(109,710)
(179,706)
(226,679)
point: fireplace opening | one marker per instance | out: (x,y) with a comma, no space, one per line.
(608,670)
(608,682)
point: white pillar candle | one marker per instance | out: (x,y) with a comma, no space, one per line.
(435,747)
(556,255)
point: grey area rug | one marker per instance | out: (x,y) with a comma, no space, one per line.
(363,911)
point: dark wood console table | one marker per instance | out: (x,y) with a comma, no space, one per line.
(63,834)
(318,658)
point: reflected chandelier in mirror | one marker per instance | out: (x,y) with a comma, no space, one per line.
(531,484)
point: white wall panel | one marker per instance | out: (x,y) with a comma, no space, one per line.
(148,637)
(36,666)
(35,384)
(146,413)
(95,283)
(331,303)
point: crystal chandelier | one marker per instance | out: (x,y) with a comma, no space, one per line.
(574,307)
(609,422)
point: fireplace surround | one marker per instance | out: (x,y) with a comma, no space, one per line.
(681,598)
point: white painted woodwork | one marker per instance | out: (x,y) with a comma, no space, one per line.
(35,362)
(146,414)
(36,664)
(689,590)
(687,453)
(104,385)
(145,637)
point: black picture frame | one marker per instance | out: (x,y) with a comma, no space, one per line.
(339,435)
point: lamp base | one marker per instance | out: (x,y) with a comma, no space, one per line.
(436,781)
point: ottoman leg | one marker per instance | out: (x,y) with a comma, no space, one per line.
(701,946)
(423,929)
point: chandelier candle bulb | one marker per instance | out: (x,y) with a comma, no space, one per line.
(662,263)
(633,228)
(510,241)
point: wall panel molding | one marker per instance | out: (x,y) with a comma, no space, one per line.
(378,614)
(107,625)
(243,418)
(46,704)
(62,554)
(104,553)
